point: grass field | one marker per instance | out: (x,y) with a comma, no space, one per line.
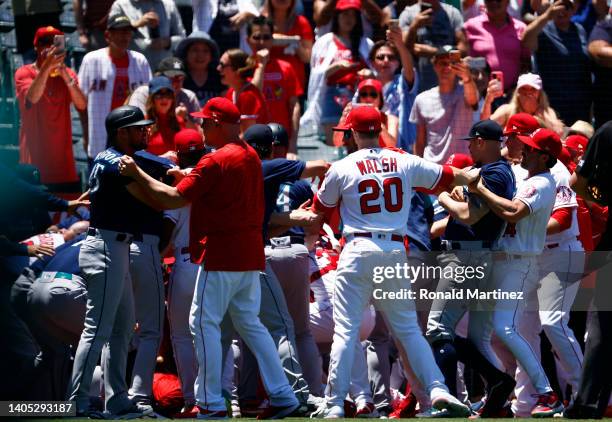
(307,419)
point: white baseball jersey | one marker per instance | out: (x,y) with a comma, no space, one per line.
(97,79)
(565,198)
(374,187)
(527,236)
(323,264)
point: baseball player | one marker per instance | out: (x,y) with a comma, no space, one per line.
(226,191)
(189,148)
(284,293)
(470,233)
(373,187)
(107,76)
(105,263)
(561,267)
(516,269)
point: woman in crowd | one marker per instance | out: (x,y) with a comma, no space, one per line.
(337,58)
(399,89)
(531,99)
(200,54)
(236,68)
(293,36)
(169,119)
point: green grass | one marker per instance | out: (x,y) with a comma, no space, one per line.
(307,419)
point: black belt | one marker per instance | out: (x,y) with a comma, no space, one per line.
(121,237)
(185,250)
(394,237)
(456,245)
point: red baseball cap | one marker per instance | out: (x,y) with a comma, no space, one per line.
(521,124)
(348,4)
(544,140)
(372,83)
(565,157)
(460,161)
(576,143)
(44,32)
(219,109)
(188,140)
(362,119)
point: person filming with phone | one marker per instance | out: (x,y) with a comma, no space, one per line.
(45,89)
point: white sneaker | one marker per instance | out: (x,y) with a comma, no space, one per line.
(446,401)
(433,413)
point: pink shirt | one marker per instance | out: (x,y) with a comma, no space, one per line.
(500,46)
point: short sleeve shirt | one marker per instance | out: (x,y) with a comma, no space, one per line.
(447,118)
(279,86)
(300,27)
(251,103)
(226,194)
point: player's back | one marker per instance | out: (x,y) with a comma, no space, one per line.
(375,188)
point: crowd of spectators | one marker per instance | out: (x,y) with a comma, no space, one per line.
(432,69)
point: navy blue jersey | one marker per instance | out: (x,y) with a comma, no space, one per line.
(275,173)
(419,221)
(499,179)
(290,196)
(112,206)
(66,258)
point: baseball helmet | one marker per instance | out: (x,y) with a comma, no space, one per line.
(281,137)
(125,116)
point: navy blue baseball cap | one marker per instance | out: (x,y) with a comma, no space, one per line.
(280,135)
(158,83)
(488,130)
(259,135)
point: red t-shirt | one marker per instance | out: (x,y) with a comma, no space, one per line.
(163,140)
(280,84)
(300,27)
(45,137)
(121,87)
(344,76)
(226,194)
(250,102)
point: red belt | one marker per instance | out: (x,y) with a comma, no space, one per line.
(394,237)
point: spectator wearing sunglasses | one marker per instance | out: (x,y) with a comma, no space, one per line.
(167,118)
(280,88)
(387,59)
(237,68)
(45,89)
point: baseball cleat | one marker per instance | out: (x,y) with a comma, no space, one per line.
(433,413)
(367,410)
(497,397)
(324,412)
(455,408)
(406,408)
(278,412)
(211,414)
(547,405)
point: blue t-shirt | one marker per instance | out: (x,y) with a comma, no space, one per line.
(290,196)
(275,173)
(499,179)
(112,206)
(419,221)
(66,258)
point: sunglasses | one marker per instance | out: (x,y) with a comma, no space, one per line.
(382,57)
(45,41)
(262,37)
(224,65)
(370,94)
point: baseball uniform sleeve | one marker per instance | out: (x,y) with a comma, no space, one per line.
(530,193)
(425,174)
(328,195)
(281,170)
(200,180)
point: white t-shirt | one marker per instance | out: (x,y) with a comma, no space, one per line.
(565,198)
(528,235)
(374,187)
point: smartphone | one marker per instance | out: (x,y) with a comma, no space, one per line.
(498,75)
(477,63)
(425,6)
(393,23)
(59,42)
(455,56)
